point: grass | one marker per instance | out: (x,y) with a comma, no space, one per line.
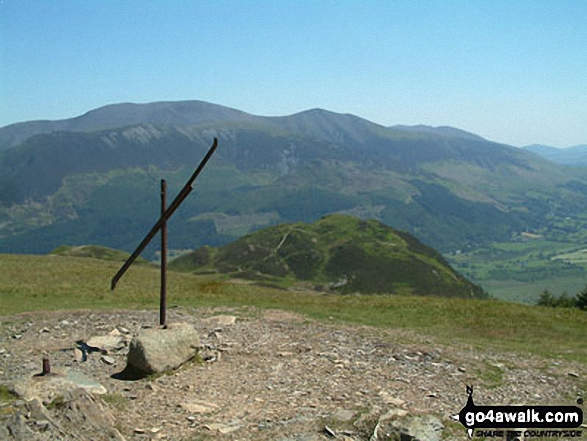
(491,375)
(118,401)
(32,283)
(529,292)
(6,396)
(521,271)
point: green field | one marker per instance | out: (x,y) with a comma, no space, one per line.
(520,271)
(30,283)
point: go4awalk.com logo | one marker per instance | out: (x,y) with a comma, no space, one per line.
(537,421)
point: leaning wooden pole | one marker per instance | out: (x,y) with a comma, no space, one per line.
(185,191)
(163,298)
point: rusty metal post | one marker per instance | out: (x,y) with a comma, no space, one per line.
(46,365)
(185,191)
(162,304)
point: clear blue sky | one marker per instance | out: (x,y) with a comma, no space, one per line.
(512,71)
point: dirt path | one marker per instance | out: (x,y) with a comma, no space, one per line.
(278,376)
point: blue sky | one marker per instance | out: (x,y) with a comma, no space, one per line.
(511,71)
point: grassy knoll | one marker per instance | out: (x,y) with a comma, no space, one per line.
(54,282)
(339,252)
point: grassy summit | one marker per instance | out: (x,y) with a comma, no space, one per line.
(340,253)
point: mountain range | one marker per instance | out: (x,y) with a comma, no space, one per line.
(575,156)
(95,178)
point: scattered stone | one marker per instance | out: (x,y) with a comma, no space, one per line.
(160,350)
(78,355)
(107,360)
(106,343)
(329,432)
(343,415)
(223,429)
(269,385)
(389,399)
(123,330)
(152,386)
(420,428)
(198,406)
(42,425)
(220,321)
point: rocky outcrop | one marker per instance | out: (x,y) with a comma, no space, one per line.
(77,415)
(54,385)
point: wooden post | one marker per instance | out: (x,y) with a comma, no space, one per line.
(162,304)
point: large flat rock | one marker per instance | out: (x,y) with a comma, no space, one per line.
(160,350)
(46,388)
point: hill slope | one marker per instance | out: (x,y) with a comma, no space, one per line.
(342,253)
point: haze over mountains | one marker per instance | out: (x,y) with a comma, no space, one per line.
(95,178)
(575,156)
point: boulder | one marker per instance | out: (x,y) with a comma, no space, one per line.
(159,350)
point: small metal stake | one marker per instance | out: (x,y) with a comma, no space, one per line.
(46,365)
(162,309)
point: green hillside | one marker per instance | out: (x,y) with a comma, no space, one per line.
(32,283)
(337,253)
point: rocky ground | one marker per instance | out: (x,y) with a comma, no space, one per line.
(262,375)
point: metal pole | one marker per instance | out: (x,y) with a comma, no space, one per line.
(162,308)
(46,365)
(176,202)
